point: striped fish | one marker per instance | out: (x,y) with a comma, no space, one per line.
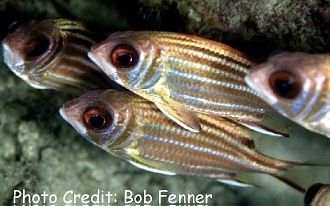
(297,85)
(52,54)
(131,127)
(184,74)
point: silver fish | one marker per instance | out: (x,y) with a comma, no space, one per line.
(183,74)
(297,85)
(52,54)
(317,195)
(131,127)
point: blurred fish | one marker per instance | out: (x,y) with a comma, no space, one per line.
(131,127)
(298,86)
(318,195)
(52,54)
(184,74)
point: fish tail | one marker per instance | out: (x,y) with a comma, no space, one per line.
(289,173)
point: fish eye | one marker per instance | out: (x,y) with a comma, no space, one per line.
(285,84)
(36,46)
(124,56)
(97,118)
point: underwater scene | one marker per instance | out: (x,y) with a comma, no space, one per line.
(153,102)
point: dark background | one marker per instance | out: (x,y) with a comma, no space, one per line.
(40,152)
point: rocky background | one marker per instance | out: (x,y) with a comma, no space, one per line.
(40,152)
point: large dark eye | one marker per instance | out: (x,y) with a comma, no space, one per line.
(285,84)
(97,118)
(36,46)
(124,56)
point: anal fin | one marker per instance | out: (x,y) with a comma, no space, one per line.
(272,123)
(234,182)
(151,169)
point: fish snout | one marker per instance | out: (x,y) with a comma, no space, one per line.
(13,60)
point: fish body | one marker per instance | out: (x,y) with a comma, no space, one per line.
(183,75)
(52,54)
(131,127)
(317,194)
(297,85)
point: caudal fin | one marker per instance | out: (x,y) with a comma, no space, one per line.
(292,171)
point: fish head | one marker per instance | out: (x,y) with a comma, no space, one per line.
(289,82)
(127,58)
(100,116)
(29,48)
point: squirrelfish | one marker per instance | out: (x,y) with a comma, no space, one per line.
(318,194)
(297,85)
(184,74)
(133,128)
(52,54)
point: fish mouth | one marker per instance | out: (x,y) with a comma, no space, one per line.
(63,115)
(16,64)
(249,82)
(260,92)
(76,125)
(12,61)
(6,53)
(92,57)
(114,75)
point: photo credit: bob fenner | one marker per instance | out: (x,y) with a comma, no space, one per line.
(107,198)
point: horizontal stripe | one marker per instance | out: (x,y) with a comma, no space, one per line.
(204,46)
(221,146)
(73,68)
(197,74)
(202,75)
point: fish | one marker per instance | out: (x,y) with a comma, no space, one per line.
(317,194)
(52,54)
(134,129)
(183,75)
(297,85)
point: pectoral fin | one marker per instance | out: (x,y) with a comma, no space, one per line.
(236,180)
(180,115)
